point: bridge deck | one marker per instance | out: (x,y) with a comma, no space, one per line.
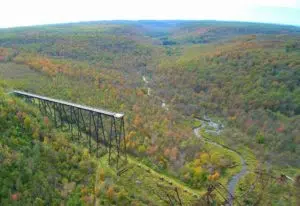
(87,108)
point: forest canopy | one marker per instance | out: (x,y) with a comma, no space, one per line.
(175,81)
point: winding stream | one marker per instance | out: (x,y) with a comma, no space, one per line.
(235,179)
(217,128)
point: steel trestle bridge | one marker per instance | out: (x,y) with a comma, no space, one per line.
(104,127)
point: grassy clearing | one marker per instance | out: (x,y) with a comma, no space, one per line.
(225,178)
(168,179)
(245,152)
(143,183)
(192,123)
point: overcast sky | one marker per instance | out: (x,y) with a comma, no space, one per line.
(33,12)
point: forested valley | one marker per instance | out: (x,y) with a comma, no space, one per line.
(211,108)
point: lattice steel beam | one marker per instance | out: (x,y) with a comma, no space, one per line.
(86,120)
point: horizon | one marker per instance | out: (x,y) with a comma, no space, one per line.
(35,13)
(150,20)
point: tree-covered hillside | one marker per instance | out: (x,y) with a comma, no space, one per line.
(253,82)
(165,76)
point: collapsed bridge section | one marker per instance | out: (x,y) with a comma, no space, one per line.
(104,127)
